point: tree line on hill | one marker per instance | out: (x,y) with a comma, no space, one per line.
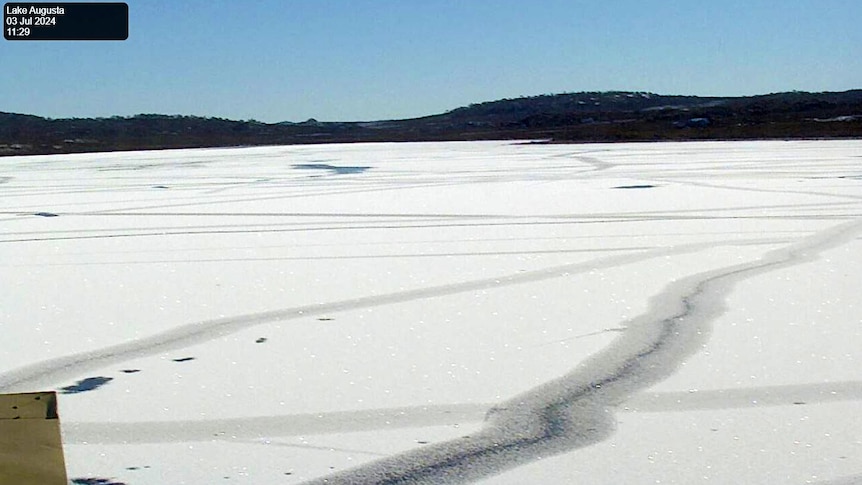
(570,117)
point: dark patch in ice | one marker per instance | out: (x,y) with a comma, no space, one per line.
(95,481)
(130,371)
(183,359)
(84,385)
(260,340)
(849,177)
(643,186)
(337,170)
(534,142)
(160,187)
(45,214)
(325,319)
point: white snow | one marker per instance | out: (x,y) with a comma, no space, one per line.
(607,313)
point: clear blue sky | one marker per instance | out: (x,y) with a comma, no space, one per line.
(276,60)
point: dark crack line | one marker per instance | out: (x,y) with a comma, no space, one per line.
(576,410)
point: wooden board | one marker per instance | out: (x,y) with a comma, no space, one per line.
(31,448)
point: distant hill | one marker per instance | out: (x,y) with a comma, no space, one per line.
(568,117)
(511,110)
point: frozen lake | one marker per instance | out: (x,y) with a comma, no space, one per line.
(487,312)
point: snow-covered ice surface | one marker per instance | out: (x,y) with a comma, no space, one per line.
(486,312)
